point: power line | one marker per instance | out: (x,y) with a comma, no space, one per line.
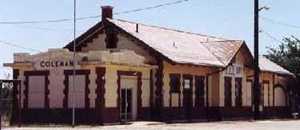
(271,37)
(95,16)
(152,7)
(279,22)
(19,46)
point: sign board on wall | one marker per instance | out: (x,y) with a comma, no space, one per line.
(55,63)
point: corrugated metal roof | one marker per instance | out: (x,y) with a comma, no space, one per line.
(183,47)
(269,66)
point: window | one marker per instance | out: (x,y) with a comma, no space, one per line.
(266,93)
(238,92)
(199,91)
(187,84)
(77,94)
(111,39)
(261,95)
(175,83)
(234,69)
(36,91)
(227,92)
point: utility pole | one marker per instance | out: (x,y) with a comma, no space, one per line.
(74,65)
(256,61)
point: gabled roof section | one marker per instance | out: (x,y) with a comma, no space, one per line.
(177,46)
(80,41)
(183,47)
(224,50)
(268,66)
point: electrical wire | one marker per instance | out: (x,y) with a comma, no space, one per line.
(78,18)
(95,16)
(151,7)
(271,37)
(19,46)
(279,22)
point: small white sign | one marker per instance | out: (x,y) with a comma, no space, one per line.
(187,84)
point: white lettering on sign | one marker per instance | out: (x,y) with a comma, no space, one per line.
(234,70)
(6,84)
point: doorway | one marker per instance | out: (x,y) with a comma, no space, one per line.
(187,98)
(126,104)
(128,98)
(227,92)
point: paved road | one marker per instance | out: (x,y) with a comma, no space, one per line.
(225,125)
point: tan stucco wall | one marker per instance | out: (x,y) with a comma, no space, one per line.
(56,85)
(268,79)
(123,43)
(180,69)
(111,84)
(241,59)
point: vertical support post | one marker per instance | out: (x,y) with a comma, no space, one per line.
(256,61)
(19,103)
(1,105)
(74,64)
(159,105)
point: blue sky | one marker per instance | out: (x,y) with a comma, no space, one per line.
(231,19)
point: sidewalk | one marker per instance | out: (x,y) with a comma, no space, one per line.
(225,125)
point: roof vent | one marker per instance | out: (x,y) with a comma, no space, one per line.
(137,28)
(174,45)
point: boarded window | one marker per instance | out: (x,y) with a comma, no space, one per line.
(199,91)
(175,83)
(77,93)
(238,92)
(266,95)
(279,96)
(36,92)
(227,92)
(261,95)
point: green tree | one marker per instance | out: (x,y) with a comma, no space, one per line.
(287,55)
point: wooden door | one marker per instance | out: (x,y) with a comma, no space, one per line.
(227,92)
(187,98)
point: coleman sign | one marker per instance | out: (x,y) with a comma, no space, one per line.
(48,64)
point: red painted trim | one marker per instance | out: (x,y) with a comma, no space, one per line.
(273,82)
(100,91)
(26,82)
(151,89)
(159,95)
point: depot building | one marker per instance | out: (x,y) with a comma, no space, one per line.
(127,71)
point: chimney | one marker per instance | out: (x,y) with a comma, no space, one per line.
(107,12)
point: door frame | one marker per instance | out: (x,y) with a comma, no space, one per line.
(228,90)
(187,110)
(129,116)
(139,91)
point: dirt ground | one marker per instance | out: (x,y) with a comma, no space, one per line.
(224,125)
